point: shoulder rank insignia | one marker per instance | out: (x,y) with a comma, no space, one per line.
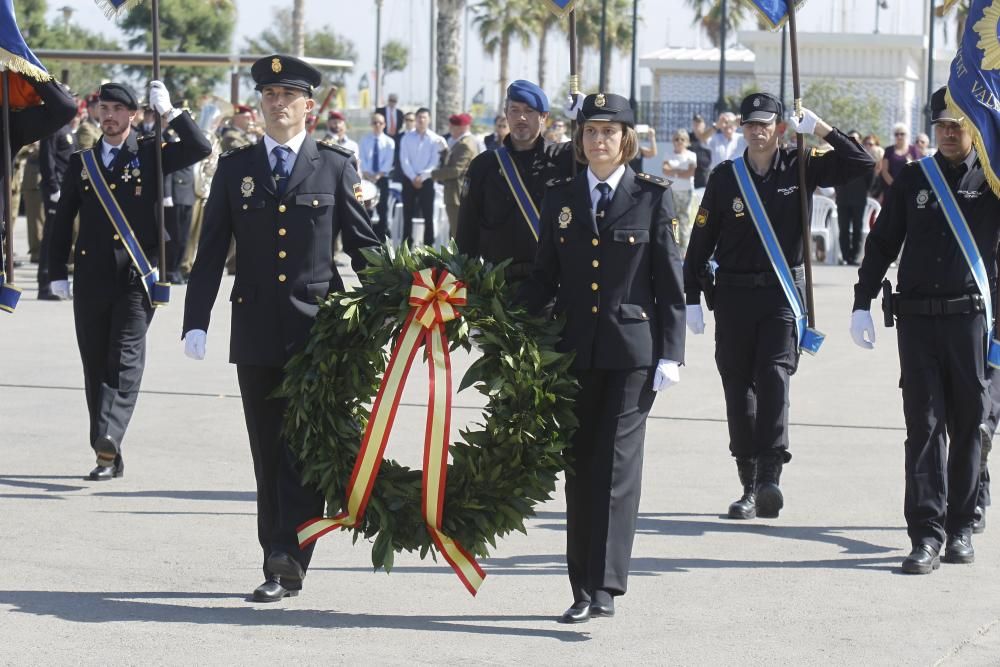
(336,147)
(359,193)
(247,186)
(555,182)
(565,217)
(236,150)
(655,180)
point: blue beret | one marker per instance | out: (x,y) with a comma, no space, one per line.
(529,93)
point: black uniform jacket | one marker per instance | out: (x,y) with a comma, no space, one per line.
(932,264)
(100,254)
(53,158)
(723,225)
(284,247)
(618,284)
(490,223)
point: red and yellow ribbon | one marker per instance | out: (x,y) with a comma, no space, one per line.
(432,302)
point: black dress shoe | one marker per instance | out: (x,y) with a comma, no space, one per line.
(922,560)
(959,550)
(603,609)
(578,613)
(104,473)
(272,591)
(979,525)
(285,566)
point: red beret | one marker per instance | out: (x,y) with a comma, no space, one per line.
(460,119)
(93,98)
(335,115)
(242,108)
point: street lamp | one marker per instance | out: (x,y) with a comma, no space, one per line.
(880,4)
(378,51)
(67,13)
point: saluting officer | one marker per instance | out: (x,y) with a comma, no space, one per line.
(113,305)
(941,212)
(494,222)
(284,200)
(609,257)
(756,341)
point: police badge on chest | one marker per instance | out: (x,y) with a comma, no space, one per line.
(738,207)
(923,196)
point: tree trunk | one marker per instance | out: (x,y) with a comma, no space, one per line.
(543,61)
(449,48)
(298,28)
(504,63)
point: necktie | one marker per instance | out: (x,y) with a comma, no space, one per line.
(112,156)
(281,167)
(604,201)
(391,113)
(375,162)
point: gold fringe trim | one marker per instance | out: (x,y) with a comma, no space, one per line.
(561,12)
(18,64)
(113,12)
(772,26)
(977,141)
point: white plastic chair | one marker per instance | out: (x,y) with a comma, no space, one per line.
(872,210)
(823,225)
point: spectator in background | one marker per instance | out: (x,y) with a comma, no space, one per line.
(899,155)
(336,132)
(419,154)
(723,140)
(462,147)
(852,198)
(649,150)
(89,130)
(923,145)
(680,167)
(557,132)
(701,151)
(377,154)
(500,130)
(874,147)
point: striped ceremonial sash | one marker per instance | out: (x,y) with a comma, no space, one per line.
(524,202)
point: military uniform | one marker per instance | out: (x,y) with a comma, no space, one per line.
(33,212)
(615,274)
(53,158)
(111,308)
(284,268)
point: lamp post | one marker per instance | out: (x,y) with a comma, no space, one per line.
(633,98)
(720,104)
(881,4)
(603,84)
(378,51)
(930,73)
(67,13)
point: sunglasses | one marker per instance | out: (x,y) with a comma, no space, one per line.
(899,134)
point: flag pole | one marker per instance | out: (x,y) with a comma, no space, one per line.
(800,146)
(9,216)
(158,149)
(574,77)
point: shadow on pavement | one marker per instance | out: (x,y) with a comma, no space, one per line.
(236,496)
(27,482)
(94,607)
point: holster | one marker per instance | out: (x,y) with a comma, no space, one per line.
(889,320)
(706,280)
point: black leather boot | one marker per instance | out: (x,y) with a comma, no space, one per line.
(746,506)
(769,498)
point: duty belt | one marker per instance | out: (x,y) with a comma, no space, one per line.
(764,279)
(959,305)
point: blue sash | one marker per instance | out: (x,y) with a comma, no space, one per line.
(9,295)
(809,339)
(157,292)
(516,185)
(960,228)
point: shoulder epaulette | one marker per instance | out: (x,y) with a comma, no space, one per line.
(556,182)
(655,180)
(234,151)
(336,147)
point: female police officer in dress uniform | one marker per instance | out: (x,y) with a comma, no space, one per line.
(608,255)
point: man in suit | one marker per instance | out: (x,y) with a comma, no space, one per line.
(376,152)
(462,147)
(112,303)
(284,200)
(395,126)
(53,159)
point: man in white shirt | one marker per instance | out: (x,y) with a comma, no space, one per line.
(376,155)
(726,143)
(419,153)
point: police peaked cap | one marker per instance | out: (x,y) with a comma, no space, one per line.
(939,108)
(760,108)
(607,107)
(280,70)
(119,92)
(528,93)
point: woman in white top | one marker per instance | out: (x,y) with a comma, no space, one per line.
(679,167)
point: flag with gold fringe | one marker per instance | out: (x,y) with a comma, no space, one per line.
(774,12)
(14,52)
(560,7)
(947,6)
(115,8)
(974,84)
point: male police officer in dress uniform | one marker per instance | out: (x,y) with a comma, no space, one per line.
(941,307)
(113,305)
(756,346)
(492,224)
(284,199)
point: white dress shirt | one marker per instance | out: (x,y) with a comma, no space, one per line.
(419,154)
(106,151)
(386,153)
(613,180)
(295,144)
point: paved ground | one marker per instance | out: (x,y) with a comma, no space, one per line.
(154,568)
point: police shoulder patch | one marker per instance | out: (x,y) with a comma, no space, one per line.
(702,217)
(347,152)
(236,150)
(556,182)
(816,152)
(655,180)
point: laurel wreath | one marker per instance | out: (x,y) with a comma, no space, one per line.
(501,467)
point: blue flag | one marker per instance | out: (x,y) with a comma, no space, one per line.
(974,84)
(113,8)
(14,53)
(774,12)
(560,7)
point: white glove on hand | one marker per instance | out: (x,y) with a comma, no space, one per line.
(696,319)
(159,98)
(804,125)
(574,103)
(194,344)
(668,373)
(60,288)
(54,197)
(168,202)
(863,329)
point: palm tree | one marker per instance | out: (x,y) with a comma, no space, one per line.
(298,28)
(708,13)
(449,42)
(618,31)
(500,22)
(545,21)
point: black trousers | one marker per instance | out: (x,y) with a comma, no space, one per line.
(418,202)
(992,416)
(111,334)
(49,207)
(604,482)
(382,208)
(850,217)
(756,354)
(177,219)
(283,502)
(944,400)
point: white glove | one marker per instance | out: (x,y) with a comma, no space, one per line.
(54,197)
(668,373)
(804,125)
(696,319)
(574,103)
(863,329)
(60,288)
(168,202)
(159,98)
(194,344)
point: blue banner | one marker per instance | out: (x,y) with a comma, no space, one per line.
(974,84)
(14,52)
(113,8)
(560,7)
(9,295)
(774,12)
